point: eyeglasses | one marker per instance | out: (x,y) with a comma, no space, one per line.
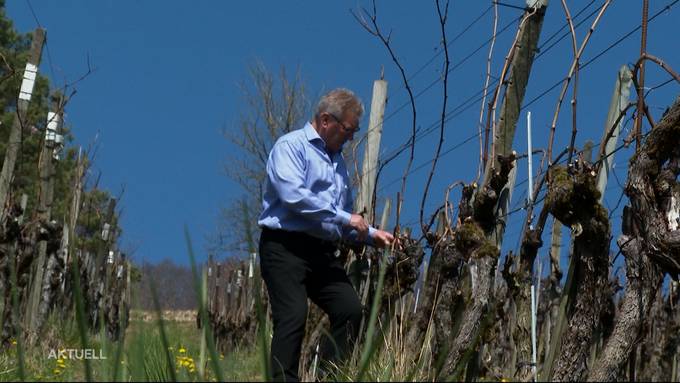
(344,127)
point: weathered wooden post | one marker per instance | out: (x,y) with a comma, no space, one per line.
(109,236)
(14,143)
(519,71)
(40,297)
(612,128)
(364,202)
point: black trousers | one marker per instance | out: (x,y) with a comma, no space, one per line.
(296,266)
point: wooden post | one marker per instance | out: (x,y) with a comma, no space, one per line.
(385,214)
(45,198)
(74,211)
(619,102)
(520,68)
(369,166)
(63,251)
(107,260)
(503,210)
(14,143)
(23,204)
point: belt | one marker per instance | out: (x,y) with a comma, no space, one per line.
(284,235)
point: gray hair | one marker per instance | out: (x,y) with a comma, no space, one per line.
(338,102)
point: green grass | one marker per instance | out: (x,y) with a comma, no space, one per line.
(169,350)
(143,356)
(162,350)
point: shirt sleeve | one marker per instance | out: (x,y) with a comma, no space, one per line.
(351,234)
(286,172)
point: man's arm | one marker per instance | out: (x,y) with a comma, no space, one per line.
(372,236)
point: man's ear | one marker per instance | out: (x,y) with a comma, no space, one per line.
(324,118)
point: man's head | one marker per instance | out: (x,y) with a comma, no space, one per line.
(337,117)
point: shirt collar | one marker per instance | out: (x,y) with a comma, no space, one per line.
(311,133)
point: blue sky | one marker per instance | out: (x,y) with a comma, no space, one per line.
(167,74)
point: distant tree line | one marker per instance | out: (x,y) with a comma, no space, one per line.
(174,286)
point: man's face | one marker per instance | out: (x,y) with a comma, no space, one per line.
(339,129)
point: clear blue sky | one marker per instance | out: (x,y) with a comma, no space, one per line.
(167,75)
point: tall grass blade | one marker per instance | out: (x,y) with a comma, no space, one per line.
(204,299)
(259,309)
(119,350)
(80,314)
(161,329)
(135,356)
(262,330)
(370,344)
(104,343)
(441,359)
(417,367)
(387,374)
(17,328)
(156,368)
(203,314)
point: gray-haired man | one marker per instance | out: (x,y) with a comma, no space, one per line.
(307,209)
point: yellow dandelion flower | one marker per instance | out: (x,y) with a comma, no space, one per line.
(182,350)
(56,371)
(14,342)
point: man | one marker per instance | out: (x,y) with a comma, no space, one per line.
(307,208)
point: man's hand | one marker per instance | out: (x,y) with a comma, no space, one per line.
(358,223)
(382,238)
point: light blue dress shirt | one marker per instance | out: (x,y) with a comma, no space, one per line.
(307,189)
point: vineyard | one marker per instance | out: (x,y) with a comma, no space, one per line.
(448,300)
(466,311)
(58,231)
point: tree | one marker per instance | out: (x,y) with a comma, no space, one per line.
(273,106)
(174,286)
